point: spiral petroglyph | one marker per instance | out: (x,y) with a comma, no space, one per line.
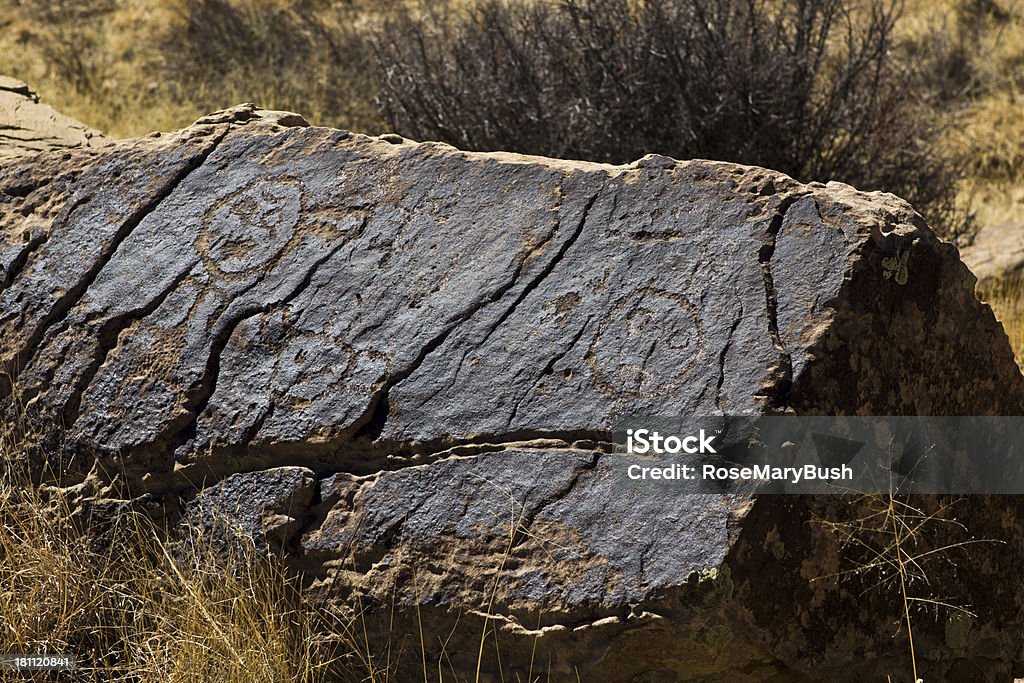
(250,227)
(642,333)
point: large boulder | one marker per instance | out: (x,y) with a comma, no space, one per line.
(400,365)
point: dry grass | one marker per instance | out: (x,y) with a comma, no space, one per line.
(133,610)
(992,136)
(1006,296)
(899,546)
(128,67)
(97,61)
(134,605)
(973,50)
(142,610)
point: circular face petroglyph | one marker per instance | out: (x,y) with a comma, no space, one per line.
(646,345)
(250,227)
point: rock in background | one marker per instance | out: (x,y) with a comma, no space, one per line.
(996,252)
(27,126)
(400,364)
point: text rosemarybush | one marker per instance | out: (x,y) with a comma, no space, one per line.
(648,442)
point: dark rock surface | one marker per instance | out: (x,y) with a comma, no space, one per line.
(400,363)
(266,507)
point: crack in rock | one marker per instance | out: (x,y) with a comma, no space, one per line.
(64,303)
(371,424)
(777,388)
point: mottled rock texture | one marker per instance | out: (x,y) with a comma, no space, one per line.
(400,364)
(28,126)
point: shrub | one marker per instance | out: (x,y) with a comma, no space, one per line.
(813,89)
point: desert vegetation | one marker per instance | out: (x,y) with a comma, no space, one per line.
(811,89)
(137,602)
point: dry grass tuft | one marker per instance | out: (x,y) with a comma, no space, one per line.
(897,545)
(1006,297)
(108,586)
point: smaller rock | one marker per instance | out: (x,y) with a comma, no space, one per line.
(267,507)
(249,111)
(27,126)
(18,87)
(654,161)
(997,252)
